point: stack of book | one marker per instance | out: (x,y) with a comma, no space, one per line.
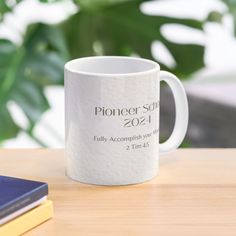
(23,205)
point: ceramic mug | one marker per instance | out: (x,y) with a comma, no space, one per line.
(112,119)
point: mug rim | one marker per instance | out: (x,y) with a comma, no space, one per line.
(155,66)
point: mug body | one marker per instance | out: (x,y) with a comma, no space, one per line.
(112,120)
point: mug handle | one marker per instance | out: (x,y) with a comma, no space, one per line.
(181,109)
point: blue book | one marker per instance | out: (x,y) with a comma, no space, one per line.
(16,194)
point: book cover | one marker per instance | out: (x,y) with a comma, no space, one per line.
(22,210)
(17,193)
(29,220)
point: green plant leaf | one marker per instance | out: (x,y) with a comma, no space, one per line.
(122,29)
(232,10)
(4,7)
(91,5)
(26,70)
(8,128)
(7,6)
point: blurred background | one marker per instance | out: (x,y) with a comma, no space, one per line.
(193,39)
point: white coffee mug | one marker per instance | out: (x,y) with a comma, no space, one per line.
(112,119)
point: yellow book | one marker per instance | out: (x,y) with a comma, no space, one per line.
(28,220)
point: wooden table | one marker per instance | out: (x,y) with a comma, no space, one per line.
(194,194)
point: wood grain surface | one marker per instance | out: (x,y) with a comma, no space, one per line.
(194,194)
